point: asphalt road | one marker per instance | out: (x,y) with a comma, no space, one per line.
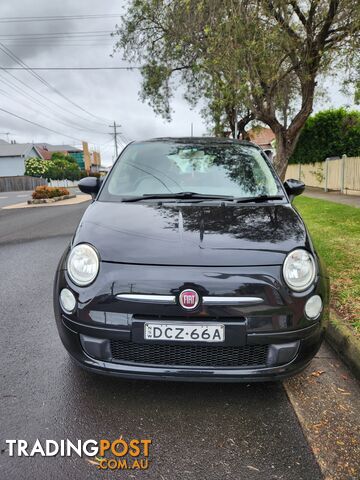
(10,198)
(198,431)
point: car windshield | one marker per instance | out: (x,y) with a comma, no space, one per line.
(214,168)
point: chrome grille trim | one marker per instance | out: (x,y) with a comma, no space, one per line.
(158,299)
(171,299)
(231,300)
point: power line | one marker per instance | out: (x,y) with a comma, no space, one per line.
(10,54)
(98,36)
(43,105)
(59,45)
(51,40)
(49,34)
(72,68)
(58,18)
(88,42)
(62,108)
(49,100)
(39,125)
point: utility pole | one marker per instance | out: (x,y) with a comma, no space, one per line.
(7,135)
(192,129)
(116,133)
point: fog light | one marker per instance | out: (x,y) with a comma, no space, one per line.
(67,300)
(313,307)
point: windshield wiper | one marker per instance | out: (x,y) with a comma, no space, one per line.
(180,195)
(200,196)
(260,198)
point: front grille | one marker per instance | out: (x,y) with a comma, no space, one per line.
(189,355)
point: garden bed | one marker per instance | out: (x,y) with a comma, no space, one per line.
(50,200)
(45,194)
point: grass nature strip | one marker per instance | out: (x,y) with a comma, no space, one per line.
(335,230)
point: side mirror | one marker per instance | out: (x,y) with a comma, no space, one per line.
(294,188)
(90,185)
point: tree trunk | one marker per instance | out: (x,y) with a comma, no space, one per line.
(242,123)
(285,146)
(287,137)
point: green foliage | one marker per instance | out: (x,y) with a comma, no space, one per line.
(60,169)
(253,56)
(35,167)
(327,134)
(335,230)
(63,156)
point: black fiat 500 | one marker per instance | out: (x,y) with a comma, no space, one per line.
(191,264)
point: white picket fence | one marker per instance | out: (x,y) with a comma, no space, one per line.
(63,183)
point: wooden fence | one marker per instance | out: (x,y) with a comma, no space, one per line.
(15,184)
(341,174)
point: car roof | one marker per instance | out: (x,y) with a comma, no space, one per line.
(199,141)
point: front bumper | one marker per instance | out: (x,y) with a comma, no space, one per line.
(298,347)
(276,328)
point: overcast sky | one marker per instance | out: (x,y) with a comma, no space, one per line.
(109,95)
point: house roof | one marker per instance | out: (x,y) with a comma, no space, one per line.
(58,148)
(261,136)
(46,155)
(15,149)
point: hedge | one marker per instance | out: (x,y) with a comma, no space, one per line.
(329,133)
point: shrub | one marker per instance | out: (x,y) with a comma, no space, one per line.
(49,192)
(60,169)
(63,156)
(327,134)
(36,167)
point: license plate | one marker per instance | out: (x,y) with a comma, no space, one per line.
(184,332)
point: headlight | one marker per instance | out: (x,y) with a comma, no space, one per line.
(83,264)
(299,270)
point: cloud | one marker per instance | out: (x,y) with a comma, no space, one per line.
(111,95)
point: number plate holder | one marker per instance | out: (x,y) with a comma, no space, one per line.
(184,332)
(235,332)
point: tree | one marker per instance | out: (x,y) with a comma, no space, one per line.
(326,134)
(258,56)
(63,156)
(60,169)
